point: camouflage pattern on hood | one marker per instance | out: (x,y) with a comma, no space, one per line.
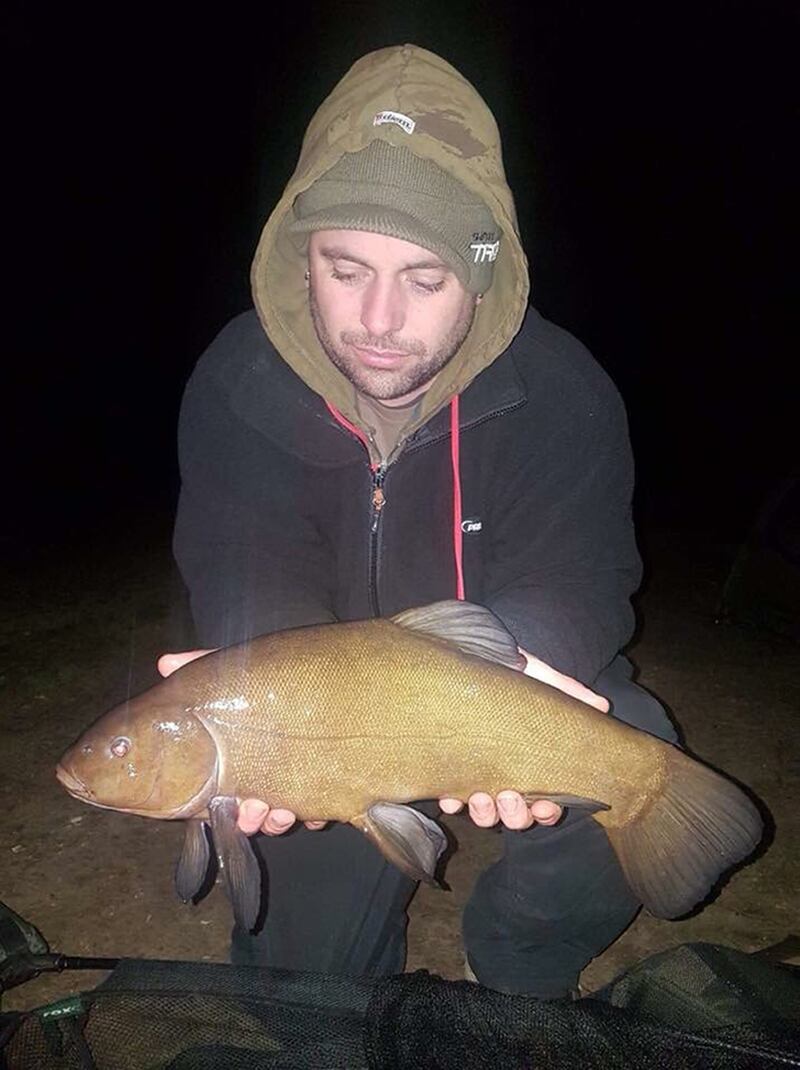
(451,125)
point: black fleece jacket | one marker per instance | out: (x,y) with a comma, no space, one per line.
(276,525)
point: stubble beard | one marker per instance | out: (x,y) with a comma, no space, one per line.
(394,383)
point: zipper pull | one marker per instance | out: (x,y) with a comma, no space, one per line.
(378,497)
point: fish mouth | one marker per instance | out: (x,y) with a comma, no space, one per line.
(73,784)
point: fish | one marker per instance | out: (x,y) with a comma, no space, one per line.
(353,721)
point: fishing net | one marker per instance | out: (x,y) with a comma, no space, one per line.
(696,1007)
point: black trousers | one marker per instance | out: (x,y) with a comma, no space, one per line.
(555,899)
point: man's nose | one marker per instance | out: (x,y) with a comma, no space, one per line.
(383,307)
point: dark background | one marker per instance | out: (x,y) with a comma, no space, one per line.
(650,148)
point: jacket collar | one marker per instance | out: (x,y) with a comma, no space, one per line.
(497,390)
(274,401)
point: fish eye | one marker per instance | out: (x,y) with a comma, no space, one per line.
(120,746)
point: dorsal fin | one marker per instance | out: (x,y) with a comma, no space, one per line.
(473,629)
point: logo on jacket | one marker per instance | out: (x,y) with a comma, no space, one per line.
(471,525)
(395,117)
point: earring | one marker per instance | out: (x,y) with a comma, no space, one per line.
(307,276)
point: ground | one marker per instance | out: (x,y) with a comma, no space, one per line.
(82,627)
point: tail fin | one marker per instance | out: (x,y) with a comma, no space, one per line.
(676,848)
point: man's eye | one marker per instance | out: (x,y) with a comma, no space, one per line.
(343,276)
(428,287)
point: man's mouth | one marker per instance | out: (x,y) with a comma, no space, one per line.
(380,358)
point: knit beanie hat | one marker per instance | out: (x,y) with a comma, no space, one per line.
(387,189)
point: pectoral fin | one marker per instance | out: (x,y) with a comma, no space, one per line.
(410,840)
(193,863)
(238,867)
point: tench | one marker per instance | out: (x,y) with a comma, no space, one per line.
(350,722)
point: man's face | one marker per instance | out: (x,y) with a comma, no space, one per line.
(388,313)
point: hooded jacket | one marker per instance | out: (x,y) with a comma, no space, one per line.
(284,521)
(453,127)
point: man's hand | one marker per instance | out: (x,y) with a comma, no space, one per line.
(253,814)
(548,675)
(257,816)
(509,806)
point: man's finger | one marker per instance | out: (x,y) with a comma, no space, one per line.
(482,809)
(545,812)
(252,813)
(314,825)
(278,821)
(451,806)
(168,663)
(513,810)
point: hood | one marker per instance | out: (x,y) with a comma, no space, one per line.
(451,125)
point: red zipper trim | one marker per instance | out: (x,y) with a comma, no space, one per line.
(362,438)
(458,534)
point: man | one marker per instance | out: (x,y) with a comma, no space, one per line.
(398,427)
